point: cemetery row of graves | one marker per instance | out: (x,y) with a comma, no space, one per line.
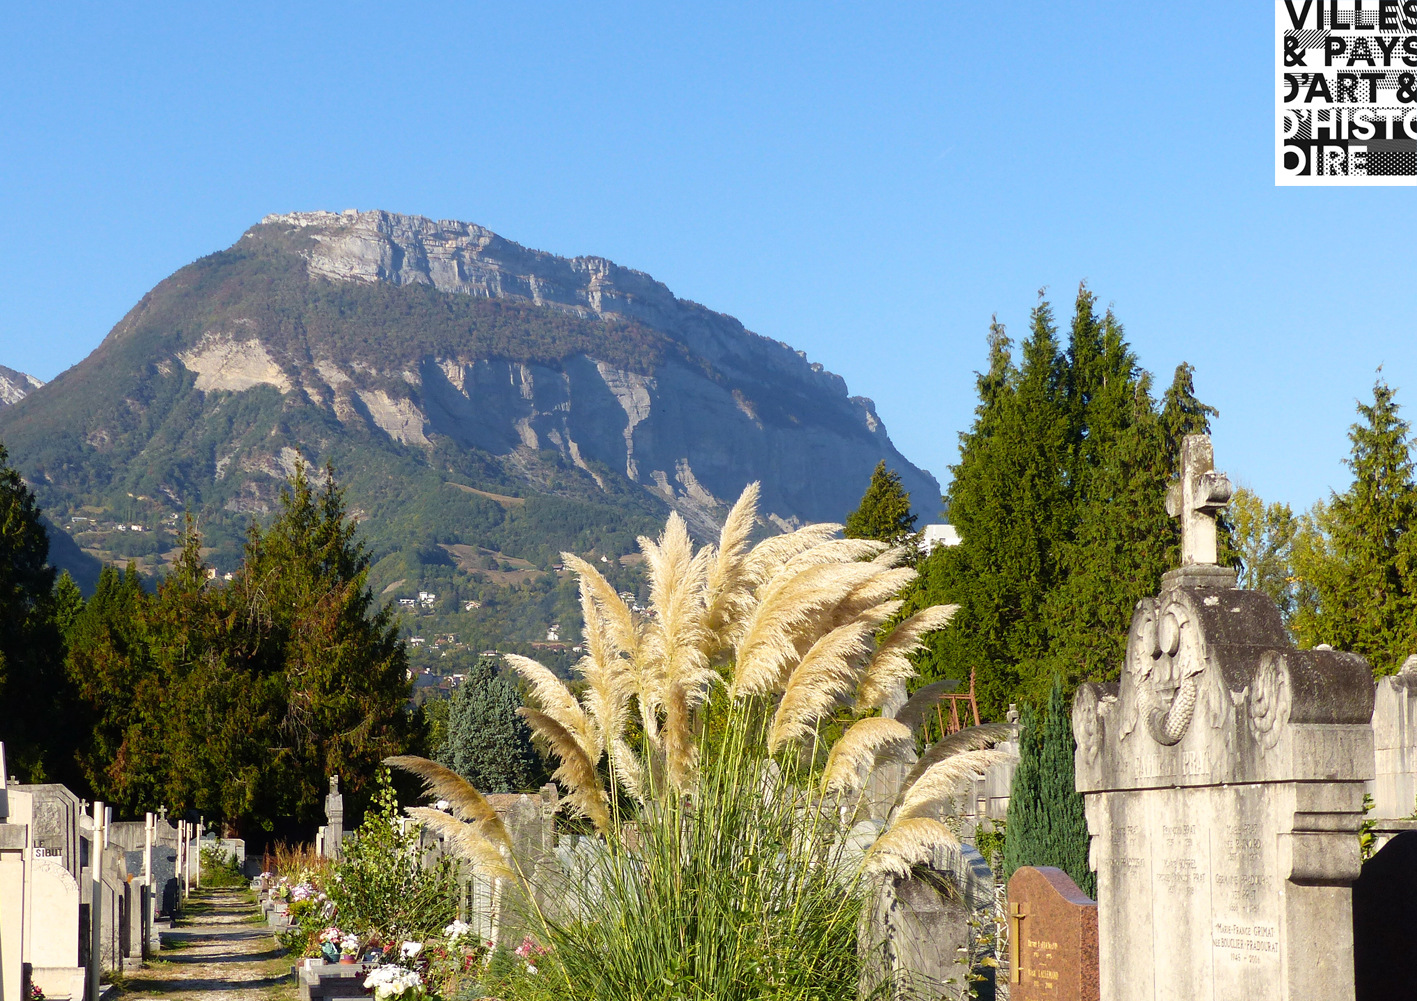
(1244,800)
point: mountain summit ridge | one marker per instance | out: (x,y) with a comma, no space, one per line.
(419,353)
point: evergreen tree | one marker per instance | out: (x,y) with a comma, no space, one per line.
(1046,824)
(1008,498)
(488,743)
(1059,498)
(32,685)
(1356,557)
(884,511)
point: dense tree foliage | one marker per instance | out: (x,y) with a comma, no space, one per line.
(239,700)
(884,511)
(32,689)
(1046,824)
(1263,536)
(1355,558)
(487,742)
(1059,499)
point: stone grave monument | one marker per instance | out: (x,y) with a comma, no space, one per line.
(1223,779)
(334,821)
(1052,937)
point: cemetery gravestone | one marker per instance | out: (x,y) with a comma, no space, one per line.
(1052,937)
(1223,780)
(334,820)
(1395,745)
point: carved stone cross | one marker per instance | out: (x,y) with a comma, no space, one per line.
(1196,498)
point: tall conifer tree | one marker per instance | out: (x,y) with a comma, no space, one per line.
(32,684)
(884,511)
(1046,824)
(1059,499)
(1357,556)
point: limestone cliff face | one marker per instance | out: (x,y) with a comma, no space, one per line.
(418,355)
(732,407)
(15,386)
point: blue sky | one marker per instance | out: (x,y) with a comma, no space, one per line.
(867,183)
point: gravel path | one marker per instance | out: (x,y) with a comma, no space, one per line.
(220,951)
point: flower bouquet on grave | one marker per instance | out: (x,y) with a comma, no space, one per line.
(390,982)
(330,940)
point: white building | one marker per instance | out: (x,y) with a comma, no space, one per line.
(938,535)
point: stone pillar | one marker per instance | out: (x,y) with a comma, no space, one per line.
(334,820)
(96,904)
(13,844)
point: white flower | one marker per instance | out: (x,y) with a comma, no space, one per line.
(531,970)
(410,949)
(457,930)
(389,981)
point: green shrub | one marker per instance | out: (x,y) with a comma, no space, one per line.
(382,887)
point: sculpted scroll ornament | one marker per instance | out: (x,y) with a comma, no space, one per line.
(1270,700)
(1165,658)
(1088,723)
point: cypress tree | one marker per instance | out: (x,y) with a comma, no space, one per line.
(488,743)
(1046,824)
(1059,498)
(884,511)
(1009,500)
(1357,556)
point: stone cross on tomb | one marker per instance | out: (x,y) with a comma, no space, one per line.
(1195,500)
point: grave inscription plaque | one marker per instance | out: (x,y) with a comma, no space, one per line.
(1223,779)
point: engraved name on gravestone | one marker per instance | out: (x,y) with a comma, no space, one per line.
(1223,779)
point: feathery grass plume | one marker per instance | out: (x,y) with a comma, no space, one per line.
(727,588)
(626,767)
(771,555)
(860,746)
(577,769)
(835,551)
(822,680)
(619,621)
(890,667)
(768,648)
(879,588)
(971,738)
(913,713)
(555,700)
(895,555)
(466,841)
(466,802)
(940,782)
(907,844)
(608,681)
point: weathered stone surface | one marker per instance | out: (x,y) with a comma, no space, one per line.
(919,933)
(1394,786)
(1385,923)
(1052,937)
(1224,781)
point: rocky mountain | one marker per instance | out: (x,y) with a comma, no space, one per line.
(15,386)
(470,391)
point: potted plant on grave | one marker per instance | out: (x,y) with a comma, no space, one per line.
(349,950)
